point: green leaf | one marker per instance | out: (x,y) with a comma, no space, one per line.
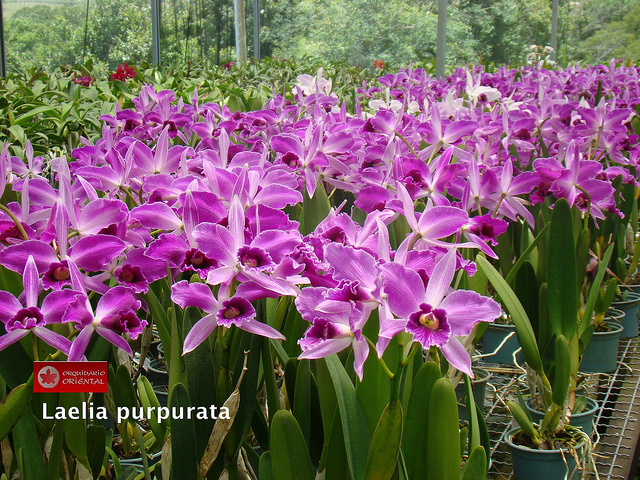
(13,406)
(525,333)
(289,454)
(562,372)
(595,287)
(248,387)
(354,421)
(201,378)
(302,404)
(184,460)
(375,389)
(27,447)
(126,394)
(55,455)
(148,399)
(525,255)
(75,430)
(161,321)
(475,467)
(25,118)
(443,440)
(524,422)
(314,209)
(415,435)
(563,282)
(129,473)
(337,467)
(265,469)
(474,429)
(526,289)
(96,443)
(385,444)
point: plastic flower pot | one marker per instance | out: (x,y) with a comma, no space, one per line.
(479,388)
(534,464)
(494,336)
(583,419)
(153,348)
(157,373)
(615,314)
(601,353)
(162,392)
(630,320)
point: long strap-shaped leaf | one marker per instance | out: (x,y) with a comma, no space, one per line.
(385,445)
(443,439)
(525,255)
(354,421)
(289,455)
(595,286)
(524,330)
(562,272)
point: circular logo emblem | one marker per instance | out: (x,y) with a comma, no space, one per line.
(48,377)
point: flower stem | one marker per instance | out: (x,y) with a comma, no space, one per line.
(382,363)
(414,349)
(34,347)
(16,221)
(586,217)
(435,150)
(401,137)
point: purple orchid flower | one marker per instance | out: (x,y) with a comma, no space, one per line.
(252,260)
(115,314)
(21,319)
(335,325)
(432,315)
(223,311)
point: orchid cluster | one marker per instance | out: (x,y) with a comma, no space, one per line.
(208,200)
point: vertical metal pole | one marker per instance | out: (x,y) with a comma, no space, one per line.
(256,29)
(241,31)
(155,31)
(442,38)
(554,29)
(3,63)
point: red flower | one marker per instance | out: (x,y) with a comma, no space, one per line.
(85,80)
(123,72)
(229,65)
(379,64)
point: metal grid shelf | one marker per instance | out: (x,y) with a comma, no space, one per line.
(617,421)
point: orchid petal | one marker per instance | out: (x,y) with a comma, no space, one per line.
(112,337)
(259,328)
(441,279)
(199,333)
(465,308)
(80,344)
(54,339)
(326,348)
(457,355)
(94,252)
(12,337)
(197,295)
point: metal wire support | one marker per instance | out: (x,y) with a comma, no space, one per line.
(3,63)
(441,51)
(155,31)
(256,29)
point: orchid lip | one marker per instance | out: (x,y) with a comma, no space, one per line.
(25,318)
